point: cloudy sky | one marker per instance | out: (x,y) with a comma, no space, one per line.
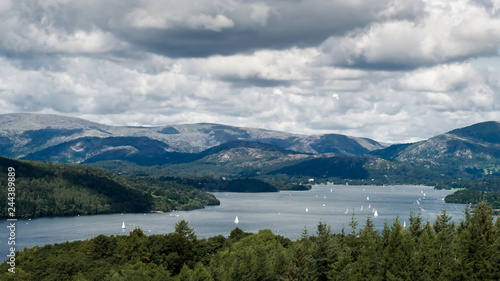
(391,70)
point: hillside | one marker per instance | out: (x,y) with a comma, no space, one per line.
(48,189)
(142,151)
(473,151)
(475,191)
(67,139)
(238,158)
(221,150)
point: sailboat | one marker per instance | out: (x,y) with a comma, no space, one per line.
(236,220)
(346,210)
(375,214)
(123,225)
(404,224)
(367,198)
(307,210)
(361,207)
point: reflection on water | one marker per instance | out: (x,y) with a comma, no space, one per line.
(286,213)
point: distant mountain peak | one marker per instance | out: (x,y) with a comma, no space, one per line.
(472,147)
(484,132)
(23,134)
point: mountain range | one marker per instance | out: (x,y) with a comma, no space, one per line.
(74,140)
(473,151)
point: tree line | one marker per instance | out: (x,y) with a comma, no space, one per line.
(474,191)
(442,250)
(49,189)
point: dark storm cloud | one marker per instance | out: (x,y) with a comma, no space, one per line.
(256,82)
(217,27)
(382,69)
(298,24)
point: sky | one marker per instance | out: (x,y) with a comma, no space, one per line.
(391,70)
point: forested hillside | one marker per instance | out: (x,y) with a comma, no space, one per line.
(474,191)
(421,251)
(48,189)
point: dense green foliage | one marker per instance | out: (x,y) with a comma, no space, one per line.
(294,174)
(474,191)
(421,251)
(227,185)
(249,185)
(335,166)
(47,189)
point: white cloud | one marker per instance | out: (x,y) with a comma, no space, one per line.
(260,13)
(388,70)
(211,23)
(442,78)
(449,31)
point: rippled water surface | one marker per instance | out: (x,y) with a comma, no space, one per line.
(286,213)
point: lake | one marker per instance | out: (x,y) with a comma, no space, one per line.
(286,213)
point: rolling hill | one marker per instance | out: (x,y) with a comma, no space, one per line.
(474,150)
(214,149)
(74,140)
(53,189)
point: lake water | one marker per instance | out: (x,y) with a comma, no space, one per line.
(282,212)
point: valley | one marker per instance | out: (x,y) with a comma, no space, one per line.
(208,153)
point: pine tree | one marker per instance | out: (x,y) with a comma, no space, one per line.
(322,255)
(425,254)
(367,251)
(184,230)
(445,264)
(477,245)
(298,269)
(415,224)
(396,263)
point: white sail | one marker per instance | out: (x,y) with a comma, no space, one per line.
(123,225)
(346,210)
(367,197)
(404,224)
(307,210)
(236,220)
(361,207)
(375,214)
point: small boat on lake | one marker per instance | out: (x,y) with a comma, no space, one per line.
(123,225)
(236,220)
